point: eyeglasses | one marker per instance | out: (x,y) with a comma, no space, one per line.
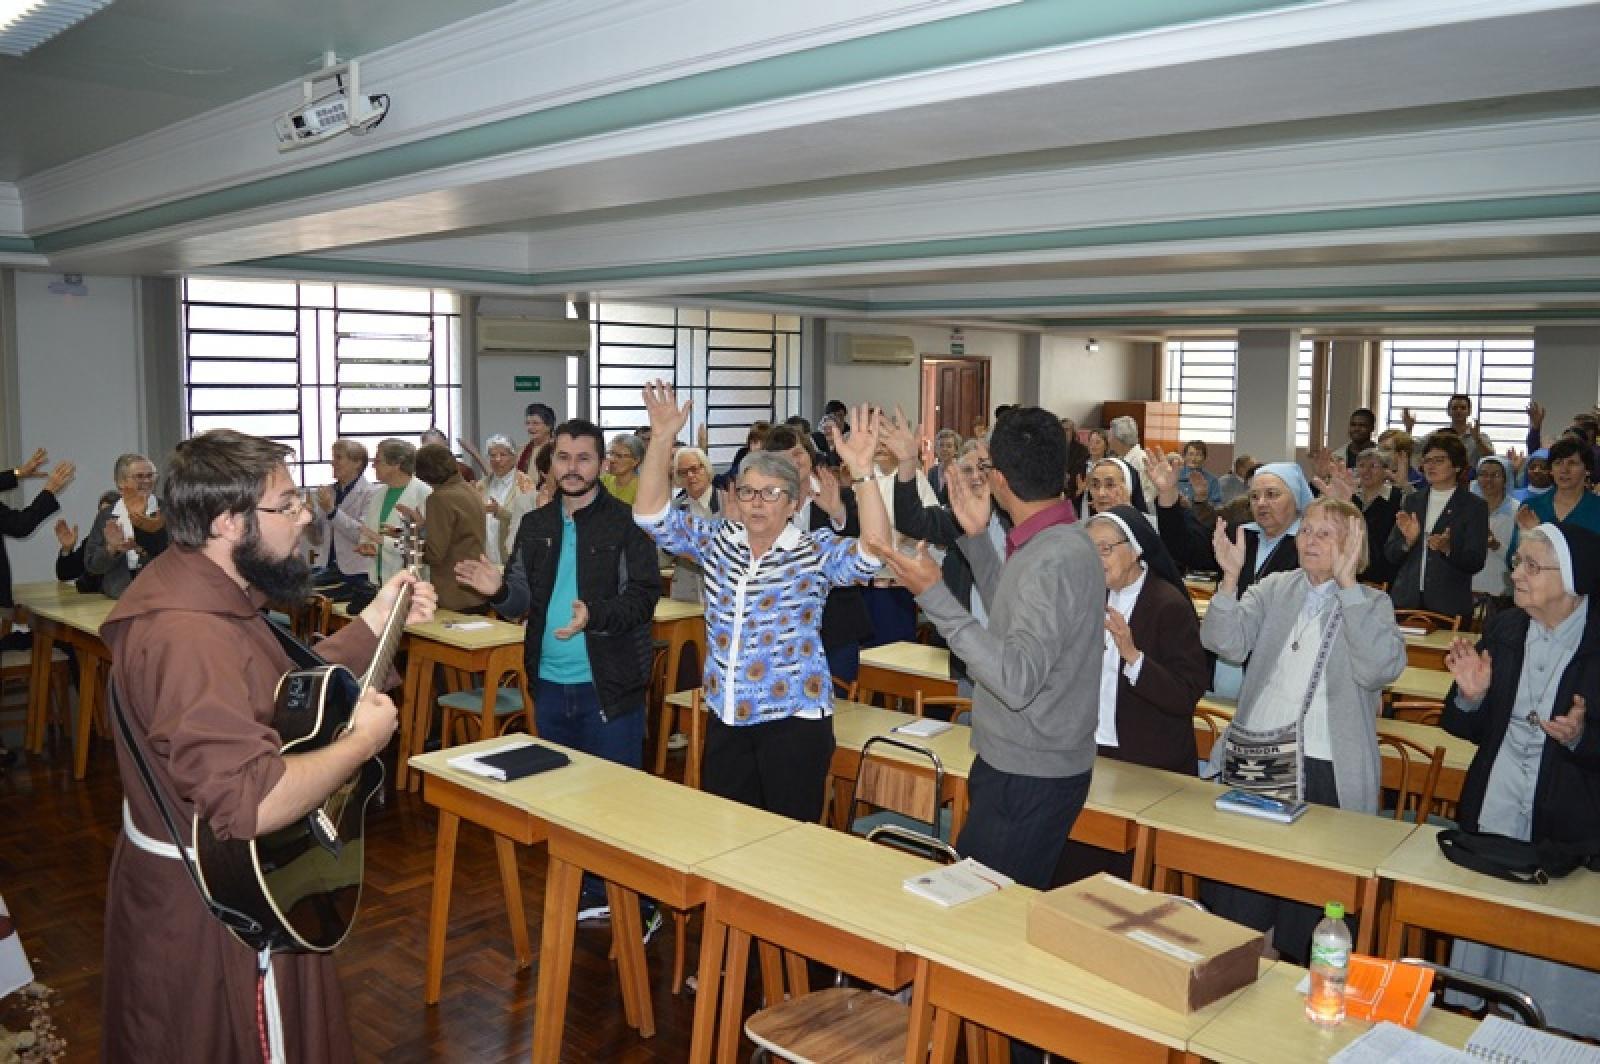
(1522,561)
(1105,549)
(292,508)
(770,493)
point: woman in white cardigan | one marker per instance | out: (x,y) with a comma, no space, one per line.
(1321,648)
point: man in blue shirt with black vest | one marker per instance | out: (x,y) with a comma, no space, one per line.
(586,577)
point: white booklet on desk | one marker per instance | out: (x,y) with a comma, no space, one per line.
(957,883)
(923,727)
(1498,1039)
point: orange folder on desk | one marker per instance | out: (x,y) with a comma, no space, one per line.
(1387,990)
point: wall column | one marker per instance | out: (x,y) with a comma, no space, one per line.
(1566,373)
(1266,383)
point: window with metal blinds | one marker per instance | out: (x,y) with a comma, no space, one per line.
(1495,372)
(306,363)
(739,367)
(1202,377)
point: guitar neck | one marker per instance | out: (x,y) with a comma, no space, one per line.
(388,641)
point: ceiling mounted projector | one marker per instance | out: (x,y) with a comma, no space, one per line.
(332,103)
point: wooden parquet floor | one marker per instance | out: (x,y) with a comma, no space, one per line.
(55,847)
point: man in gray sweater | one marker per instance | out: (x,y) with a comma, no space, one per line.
(1036,667)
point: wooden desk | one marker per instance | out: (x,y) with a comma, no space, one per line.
(678,624)
(1427,650)
(494,651)
(643,835)
(903,669)
(1422,683)
(1458,753)
(1559,921)
(1118,792)
(63,615)
(975,963)
(1266,1024)
(1200,588)
(1328,855)
(509,812)
(835,898)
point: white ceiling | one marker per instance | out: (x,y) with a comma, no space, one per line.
(972,193)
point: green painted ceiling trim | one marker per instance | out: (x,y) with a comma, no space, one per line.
(1460,212)
(1028,26)
(20,245)
(1453,317)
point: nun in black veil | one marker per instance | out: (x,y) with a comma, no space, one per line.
(1153,670)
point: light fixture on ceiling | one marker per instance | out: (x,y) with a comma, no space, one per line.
(331,103)
(26,24)
(1091,344)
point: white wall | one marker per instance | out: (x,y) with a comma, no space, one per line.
(79,386)
(891,385)
(1074,382)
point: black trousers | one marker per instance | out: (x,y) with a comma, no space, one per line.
(1018,824)
(780,766)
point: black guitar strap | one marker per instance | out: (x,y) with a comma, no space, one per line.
(232,918)
(302,656)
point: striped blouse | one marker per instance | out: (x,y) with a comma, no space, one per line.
(764,615)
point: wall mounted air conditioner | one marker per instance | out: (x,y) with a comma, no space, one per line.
(882,350)
(532,334)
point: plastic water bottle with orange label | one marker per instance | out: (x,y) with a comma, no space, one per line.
(1330,966)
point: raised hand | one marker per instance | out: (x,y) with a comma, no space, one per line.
(1347,557)
(59,477)
(732,508)
(1471,669)
(702,437)
(900,438)
(1527,520)
(1229,552)
(30,468)
(410,513)
(970,505)
(1341,484)
(1567,729)
(117,541)
(857,449)
(1536,416)
(1410,527)
(1519,462)
(480,574)
(916,573)
(1121,635)
(1322,462)
(1408,419)
(666,417)
(66,535)
(1440,542)
(1198,485)
(580,620)
(1163,477)
(326,498)
(830,496)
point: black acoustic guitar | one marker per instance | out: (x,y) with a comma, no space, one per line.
(302,883)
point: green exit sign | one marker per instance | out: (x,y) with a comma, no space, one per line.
(527,384)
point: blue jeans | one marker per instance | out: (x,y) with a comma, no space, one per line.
(569,714)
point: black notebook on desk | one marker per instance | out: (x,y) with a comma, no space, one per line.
(512,763)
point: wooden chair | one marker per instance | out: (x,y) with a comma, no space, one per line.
(15,665)
(1427,620)
(656,698)
(1417,710)
(1208,727)
(1419,777)
(462,711)
(894,791)
(956,704)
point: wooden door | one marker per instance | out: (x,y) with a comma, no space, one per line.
(955,394)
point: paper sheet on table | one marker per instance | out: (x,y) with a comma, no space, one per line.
(1389,1043)
(1499,1039)
(468,626)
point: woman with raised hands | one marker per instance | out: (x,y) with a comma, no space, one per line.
(1321,649)
(769,739)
